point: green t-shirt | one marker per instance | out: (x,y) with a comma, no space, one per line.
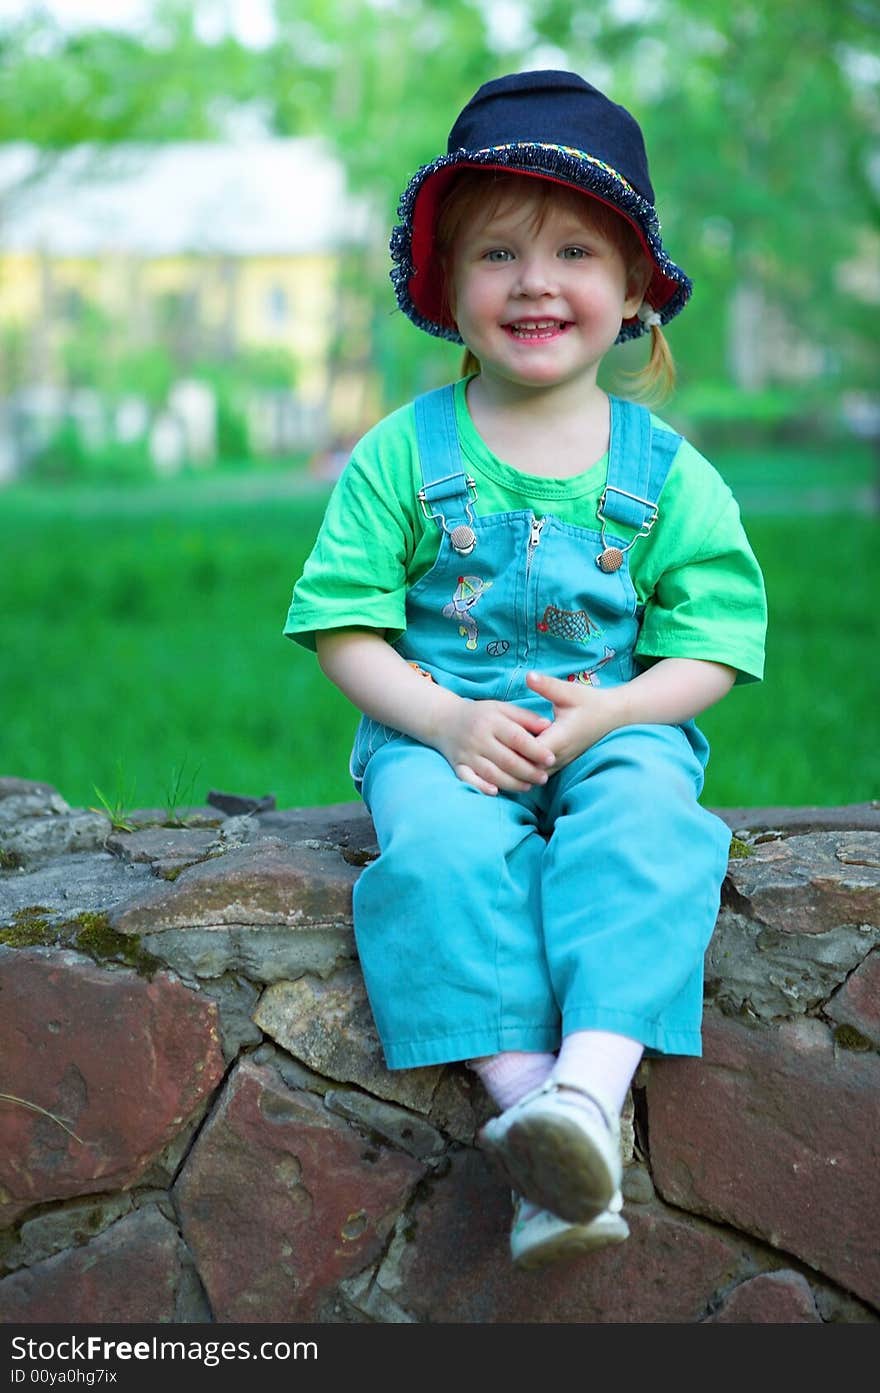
(695,574)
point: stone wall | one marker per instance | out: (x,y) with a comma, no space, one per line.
(197,1124)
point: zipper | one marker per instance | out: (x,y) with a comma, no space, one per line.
(537,526)
(534,539)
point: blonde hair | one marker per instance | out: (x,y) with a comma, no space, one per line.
(476,193)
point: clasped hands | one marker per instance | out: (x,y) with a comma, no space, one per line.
(496,745)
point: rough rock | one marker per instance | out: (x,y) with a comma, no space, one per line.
(329,1026)
(280,1200)
(847,817)
(773,1298)
(34,838)
(236,999)
(768,972)
(68,1226)
(121,1061)
(186,845)
(450,1263)
(28,788)
(136,1272)
(347,826)
(460,1105)
(808,1110)
(268,911)
(72,884)
(404,1130)
(857,1003)
(809,884)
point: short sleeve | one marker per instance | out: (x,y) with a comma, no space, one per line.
(707,599)
(356,574)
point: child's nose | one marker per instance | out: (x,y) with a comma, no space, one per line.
(537,277)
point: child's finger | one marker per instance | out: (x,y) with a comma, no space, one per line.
(551,687)
(529,720)
(529,747)
(470,776)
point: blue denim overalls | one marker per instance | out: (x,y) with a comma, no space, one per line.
(503,923)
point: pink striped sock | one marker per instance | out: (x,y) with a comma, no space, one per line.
(510,1076)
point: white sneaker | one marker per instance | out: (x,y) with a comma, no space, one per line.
(557,1153)
(538,1237)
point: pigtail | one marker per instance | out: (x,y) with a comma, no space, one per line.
(659,371)
(655,380)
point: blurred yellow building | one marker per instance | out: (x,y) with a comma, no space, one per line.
(232,255)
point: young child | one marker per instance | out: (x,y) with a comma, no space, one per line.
(530,590)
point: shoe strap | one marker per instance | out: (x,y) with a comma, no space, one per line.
(563,1086)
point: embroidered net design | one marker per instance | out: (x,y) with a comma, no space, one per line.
(572,624)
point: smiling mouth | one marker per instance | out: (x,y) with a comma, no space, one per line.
(532,330)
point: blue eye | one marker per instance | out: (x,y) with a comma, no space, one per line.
(497,254)
(574,253)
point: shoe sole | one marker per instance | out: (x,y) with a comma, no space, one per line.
(573,1243)
(551,1161)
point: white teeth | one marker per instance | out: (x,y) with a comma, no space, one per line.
(534,325)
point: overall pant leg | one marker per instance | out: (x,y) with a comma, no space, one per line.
(631,886)
(447,920)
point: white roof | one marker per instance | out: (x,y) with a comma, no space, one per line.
(249,198)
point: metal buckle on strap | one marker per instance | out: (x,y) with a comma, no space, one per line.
(439,517)
(646,503)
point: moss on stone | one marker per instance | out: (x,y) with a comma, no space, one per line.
(88,932)
(30,929)
(739,849)
(95,936)
(848,1038)
(10,860)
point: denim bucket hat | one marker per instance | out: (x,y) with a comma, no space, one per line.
(550,125)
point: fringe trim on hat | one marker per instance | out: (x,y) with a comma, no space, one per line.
(562,162)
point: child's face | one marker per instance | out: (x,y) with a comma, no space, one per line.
(540,300)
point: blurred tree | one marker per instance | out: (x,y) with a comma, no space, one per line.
(762,122)
(60,88)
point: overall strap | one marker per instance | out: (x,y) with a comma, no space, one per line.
(639,459)
(447,493)
(443,475)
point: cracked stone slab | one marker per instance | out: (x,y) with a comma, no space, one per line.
(449,1262)
(329,1026)
(79,883)
(280,1200)
(807,1110)
(185,844)
(136,1272)
(770,973)
(268,883)
(122,1063)
(267,911)
(347,826)
(401,1128)
(771,1298)
(809,884)
(67,1226)
(857,1003)
(35,838)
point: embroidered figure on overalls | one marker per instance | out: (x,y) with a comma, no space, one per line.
(588,675)
(467,592)
(572,624)
(497,648)
(421,671)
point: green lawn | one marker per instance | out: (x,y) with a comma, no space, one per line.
(142,648)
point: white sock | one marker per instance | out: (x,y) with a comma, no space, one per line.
(600,1063)
(510,1076)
